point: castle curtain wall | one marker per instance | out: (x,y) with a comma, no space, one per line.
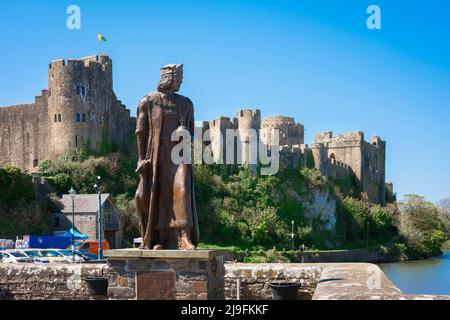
(23,134)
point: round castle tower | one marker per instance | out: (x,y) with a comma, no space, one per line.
(80,96)
(320,154)
(290,133)
(248,120)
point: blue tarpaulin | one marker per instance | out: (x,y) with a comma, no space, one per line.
(48,242)
(77,234)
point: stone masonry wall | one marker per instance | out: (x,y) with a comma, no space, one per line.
(166,279)
(48,281)
(255,279)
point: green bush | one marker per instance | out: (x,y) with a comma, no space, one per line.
(420,226)
(20,212)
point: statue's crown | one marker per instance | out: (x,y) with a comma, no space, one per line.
(172,68)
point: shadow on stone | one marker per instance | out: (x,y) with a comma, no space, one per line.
(331,279)
(6,294)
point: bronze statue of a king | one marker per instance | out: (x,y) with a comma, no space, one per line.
(165,196)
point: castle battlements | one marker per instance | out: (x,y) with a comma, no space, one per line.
(85,61)
(336,157)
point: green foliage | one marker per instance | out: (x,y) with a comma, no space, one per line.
(359,220)
(270,256)
(20,212)
(348,187)
(130,217)
(105,145)
(15,186)
(446,245)
(71,170)
(314,179)
(420,226)
(444,213)
(237,208)
(310,160)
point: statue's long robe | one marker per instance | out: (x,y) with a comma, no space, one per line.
(168,188)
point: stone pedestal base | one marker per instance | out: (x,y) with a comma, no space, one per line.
(166,274)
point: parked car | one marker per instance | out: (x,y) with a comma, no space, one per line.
(14,257)
(6,244)
(91,245)
(35,254)
(88,255)
(68,254)
(53,255)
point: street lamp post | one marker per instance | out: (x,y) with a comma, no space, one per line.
(100,244)
(367,234)
(73,194)
(292,235)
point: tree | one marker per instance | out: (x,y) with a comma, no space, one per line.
(421,226)
(444,213)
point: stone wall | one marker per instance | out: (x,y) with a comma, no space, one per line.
(48,281)
(22,130)
(319,281)
(361,281)
(165,275)
(255,278)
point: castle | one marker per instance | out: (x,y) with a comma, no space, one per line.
(78,109)
(335,156)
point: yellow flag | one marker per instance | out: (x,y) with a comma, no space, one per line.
(100,37)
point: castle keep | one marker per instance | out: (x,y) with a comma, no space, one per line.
(78,109)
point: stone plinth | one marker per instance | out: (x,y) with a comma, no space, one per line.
(166,274)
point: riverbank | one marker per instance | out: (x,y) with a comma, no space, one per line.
(372,255)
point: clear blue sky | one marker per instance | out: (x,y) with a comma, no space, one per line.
(313,60)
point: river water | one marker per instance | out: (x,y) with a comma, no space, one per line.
(421,277)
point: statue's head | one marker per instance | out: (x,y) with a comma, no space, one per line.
(171,78)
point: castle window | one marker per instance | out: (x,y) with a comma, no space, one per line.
(35,163)
(78,117)
(56,118)
(83,91)
(59,117)
(84,117)
(76,140)
(78,90)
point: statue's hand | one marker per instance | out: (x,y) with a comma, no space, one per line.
(142,166)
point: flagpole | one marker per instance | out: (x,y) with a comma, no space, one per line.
(98,47)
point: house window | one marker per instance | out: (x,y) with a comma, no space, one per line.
(84,117)
(57,222)
(78,117)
